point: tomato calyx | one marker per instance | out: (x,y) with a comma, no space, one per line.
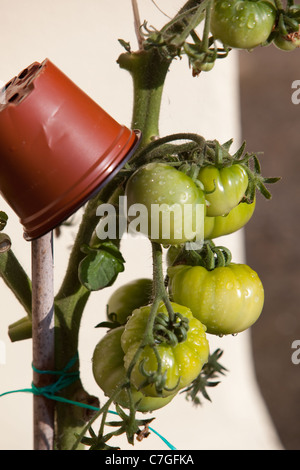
(211,370)
(218,155)
(111,323)
(195,153)
(156,378)
(170,331)
(127,424)
(203,53)
(203,60)
(209,256)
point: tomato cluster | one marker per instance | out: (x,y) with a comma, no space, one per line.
(181,358)
(221,192)
(158,346)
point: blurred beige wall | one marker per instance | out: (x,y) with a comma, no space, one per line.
(81,37)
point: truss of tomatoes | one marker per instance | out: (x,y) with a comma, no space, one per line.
(209,293)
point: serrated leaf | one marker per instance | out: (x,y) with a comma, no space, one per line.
(101,267)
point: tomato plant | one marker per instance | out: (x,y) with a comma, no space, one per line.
(162,346)
(181,350)
(161,187)
(224,188)
(242,24)
(227,300)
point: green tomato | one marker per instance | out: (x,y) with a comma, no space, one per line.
(128,297)
(227,300)
(242,24)
(109,373)
(287,43)
(228,186)
(174,206)
(181,363)
(198,66)
(237,218)
(215,227)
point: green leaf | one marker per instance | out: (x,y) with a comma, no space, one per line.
(100,267)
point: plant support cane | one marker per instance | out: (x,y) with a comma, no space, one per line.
(42,339)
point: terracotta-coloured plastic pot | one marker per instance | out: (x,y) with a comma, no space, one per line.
(57,147)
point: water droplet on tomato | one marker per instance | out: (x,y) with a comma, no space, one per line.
(251,22)
(247,293)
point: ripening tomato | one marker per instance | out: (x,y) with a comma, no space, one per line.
(109,373)
(242,24)
(181,363)
(227,300)
(171,206)
(228,186)
(128,297)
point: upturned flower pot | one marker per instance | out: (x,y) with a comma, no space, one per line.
(57,147)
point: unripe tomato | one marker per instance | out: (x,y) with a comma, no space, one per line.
(109,372)
(242,24)
(180,202)
(287,43)
(128,297)
(227,300)
(237,218)
(181,363)
(228,186)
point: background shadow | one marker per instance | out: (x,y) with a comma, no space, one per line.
(271,123)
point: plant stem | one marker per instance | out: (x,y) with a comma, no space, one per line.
(20,330)
(148,70)
(159,295)
(206,30)
(16,279)
(137,23)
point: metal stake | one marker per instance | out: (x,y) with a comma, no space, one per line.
(42,338)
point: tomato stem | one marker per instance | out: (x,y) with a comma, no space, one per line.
(206,30)
(148,70)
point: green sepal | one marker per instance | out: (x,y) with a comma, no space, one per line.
(210,371)
(101,266)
